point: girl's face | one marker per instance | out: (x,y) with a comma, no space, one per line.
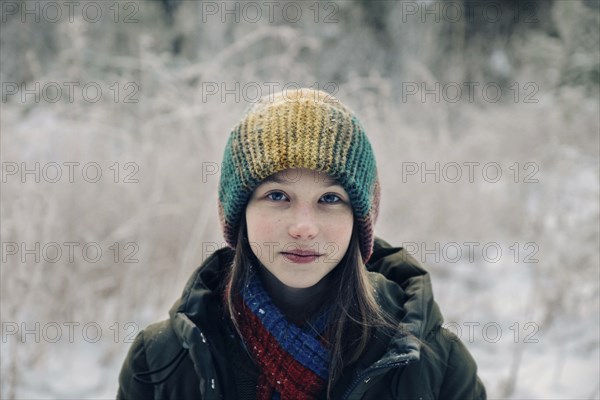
(299,225)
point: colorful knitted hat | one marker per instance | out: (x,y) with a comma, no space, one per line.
(301,128)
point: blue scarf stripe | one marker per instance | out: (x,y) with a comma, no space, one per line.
(303,345)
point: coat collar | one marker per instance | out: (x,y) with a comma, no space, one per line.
(408,293)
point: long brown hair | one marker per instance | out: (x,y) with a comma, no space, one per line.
(354,310)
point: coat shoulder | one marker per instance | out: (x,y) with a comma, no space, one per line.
(134,362)
(459,376)
(155,347)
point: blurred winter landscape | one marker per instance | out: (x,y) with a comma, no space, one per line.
(484,117)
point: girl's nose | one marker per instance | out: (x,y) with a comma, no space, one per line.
(303,224)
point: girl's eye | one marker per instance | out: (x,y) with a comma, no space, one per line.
(275,196)
(330,198)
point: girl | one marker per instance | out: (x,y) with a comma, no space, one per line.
(305,303)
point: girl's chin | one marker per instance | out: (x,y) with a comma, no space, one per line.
(297,283)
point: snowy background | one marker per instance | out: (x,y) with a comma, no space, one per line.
(484,116)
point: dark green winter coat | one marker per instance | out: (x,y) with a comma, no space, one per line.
(195,355)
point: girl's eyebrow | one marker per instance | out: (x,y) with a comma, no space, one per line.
(278,179)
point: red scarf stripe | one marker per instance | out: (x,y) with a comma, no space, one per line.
(276,364)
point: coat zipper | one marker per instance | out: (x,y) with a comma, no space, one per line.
(368,371)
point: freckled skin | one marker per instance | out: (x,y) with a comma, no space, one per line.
(301,212)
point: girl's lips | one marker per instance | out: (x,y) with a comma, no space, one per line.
(300,252)
(302,259)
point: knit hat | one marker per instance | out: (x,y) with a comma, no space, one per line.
(300,128)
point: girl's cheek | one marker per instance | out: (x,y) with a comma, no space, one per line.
(342,219)
(266,226)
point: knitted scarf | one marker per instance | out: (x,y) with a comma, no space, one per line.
(293,361)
